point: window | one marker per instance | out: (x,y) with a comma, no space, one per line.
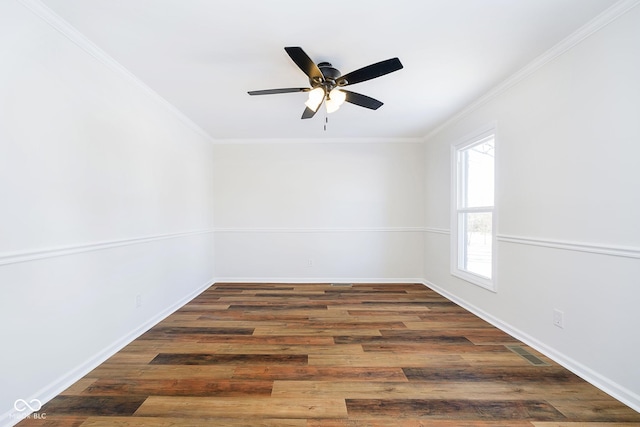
(473,219)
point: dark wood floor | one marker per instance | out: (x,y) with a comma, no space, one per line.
(319,355)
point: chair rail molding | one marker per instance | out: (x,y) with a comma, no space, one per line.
(437,230)
(594,248)
(32,255)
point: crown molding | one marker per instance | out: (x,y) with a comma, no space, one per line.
(291,230)
(76,37)
(602,20)
(359,140)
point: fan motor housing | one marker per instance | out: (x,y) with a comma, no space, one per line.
(328,71)
(331,76)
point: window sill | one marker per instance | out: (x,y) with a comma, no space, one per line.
(475,279)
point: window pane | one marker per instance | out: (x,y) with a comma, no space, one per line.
(475,243)
(477,175)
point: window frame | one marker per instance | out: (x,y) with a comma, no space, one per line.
(457,233)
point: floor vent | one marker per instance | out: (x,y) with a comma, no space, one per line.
(534,360)
(341,285)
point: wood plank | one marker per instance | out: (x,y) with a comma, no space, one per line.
(190,422)
(135,358)
(398,307)
(196,330)
(162,371)
(93,405)
(385,422)
(446,324)
(52,420)
(285,338)
(226,325)
(583,424)
(408,337)
(319,373)
(247,316)
(504,360)
(283,306)
(428,348)
(385,359)
(178,387)
(193,306)
(539,375)
(356,318)
(600,409)
(230,407)
(459,409)
(233,348)
(264,331)
(228,359)
(445,390)
(79,386)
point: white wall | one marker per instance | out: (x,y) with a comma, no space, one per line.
(568,208)
(354,210)
(105,194)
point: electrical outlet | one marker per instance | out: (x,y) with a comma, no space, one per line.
(138,301)
(558,318)
(309,262)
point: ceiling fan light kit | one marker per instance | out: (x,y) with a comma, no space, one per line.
(327,82)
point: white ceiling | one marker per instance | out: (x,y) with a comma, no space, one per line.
(203,56)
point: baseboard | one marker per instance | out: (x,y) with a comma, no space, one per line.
(613,389)
(317,280)
(50,391)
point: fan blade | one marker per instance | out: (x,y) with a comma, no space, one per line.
(305,63)
(274,91)
(308,113)
(372,71)
(362,100)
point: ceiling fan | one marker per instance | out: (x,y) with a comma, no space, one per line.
(327,83)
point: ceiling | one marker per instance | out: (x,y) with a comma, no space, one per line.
(203,56)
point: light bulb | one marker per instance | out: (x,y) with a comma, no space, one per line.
(338,96)
(315,98)
(332,106)
(336,99)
